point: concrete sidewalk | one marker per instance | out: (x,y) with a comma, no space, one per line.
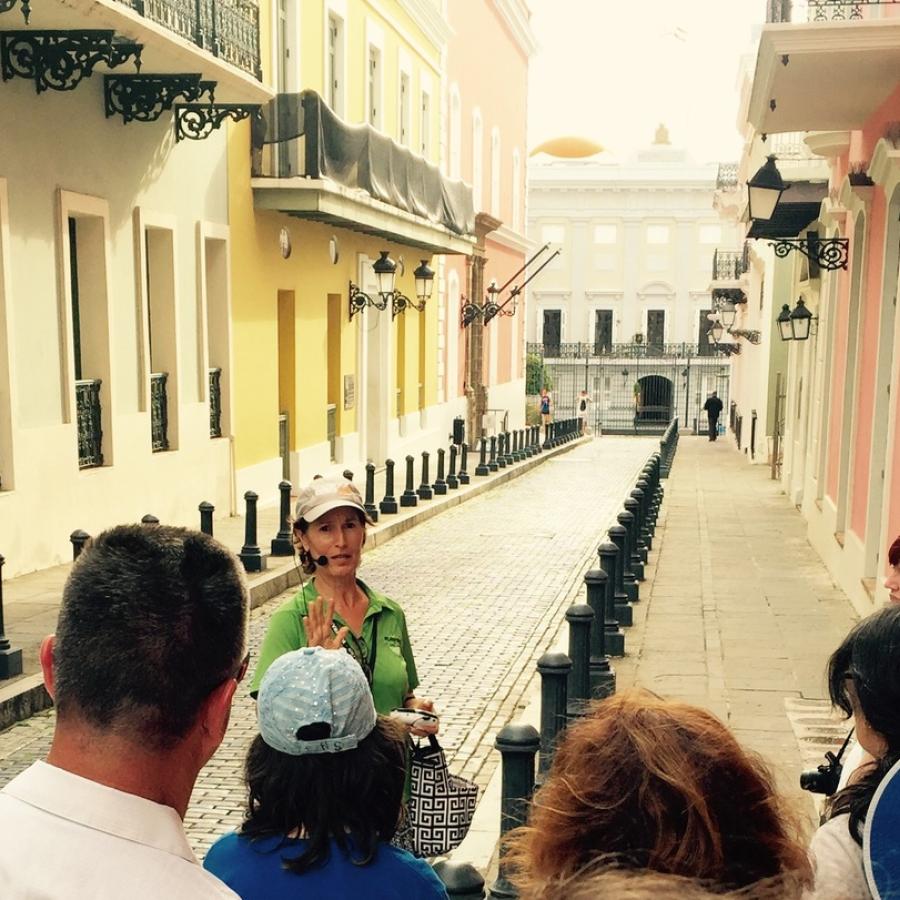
(737,614)
(31,602)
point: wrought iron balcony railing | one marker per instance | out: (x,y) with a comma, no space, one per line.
(830,10)
(228,29)
(215,403)
(593,350)
(159,412)
(729,265)
(88,415)
(727,178)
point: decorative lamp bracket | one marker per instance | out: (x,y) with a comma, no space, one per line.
(360,300)
(826,253)
(752,336)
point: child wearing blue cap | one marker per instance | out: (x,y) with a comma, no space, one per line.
(325,778)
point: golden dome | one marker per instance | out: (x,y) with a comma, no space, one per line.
(569,147)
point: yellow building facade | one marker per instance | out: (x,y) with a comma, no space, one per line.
(310,388)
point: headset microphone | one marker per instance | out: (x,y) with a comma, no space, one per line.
(321,560)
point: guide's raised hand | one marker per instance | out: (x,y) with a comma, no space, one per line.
(318,624)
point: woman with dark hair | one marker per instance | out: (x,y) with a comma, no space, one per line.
(325,778)
(863,682)
(892,581)
(647,783)
(337,609)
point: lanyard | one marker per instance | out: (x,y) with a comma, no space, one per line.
(367,665)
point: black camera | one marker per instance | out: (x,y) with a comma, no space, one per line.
(825,779)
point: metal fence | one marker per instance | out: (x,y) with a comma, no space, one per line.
(88,412)
(215,403)
(159,412)
(633,389)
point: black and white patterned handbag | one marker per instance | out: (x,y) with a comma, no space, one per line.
(440,807)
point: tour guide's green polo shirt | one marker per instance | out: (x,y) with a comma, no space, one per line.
(395,670)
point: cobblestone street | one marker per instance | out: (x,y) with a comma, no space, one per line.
(483,585)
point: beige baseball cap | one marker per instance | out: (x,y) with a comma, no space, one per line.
(325,494)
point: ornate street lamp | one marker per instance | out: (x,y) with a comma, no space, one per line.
(727,315)
(784,323)
(801,319)
(764,190)
(717,330)
(385,274)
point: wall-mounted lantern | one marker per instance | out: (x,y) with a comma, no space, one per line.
(796,324)
(764,190)
(385,274)
(492,306)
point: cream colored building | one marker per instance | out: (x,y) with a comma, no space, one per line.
(114,276)
(636,240)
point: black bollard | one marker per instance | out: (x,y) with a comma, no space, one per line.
(638,550)
(602,676)
(425,492)
(250,555)
(452,480)
(548,431)
(388,505)
(641,493)
(508,447)
(579,618)
(554,670)
(206,517)
(10,657)
(609,563)
(518,745)
(462,880)
(536,440)
(463,463)
(493,465)
(523,449)
(502,459)
(282,543)
(630,575)
(78,538)
(149,519)
(440,485)
(625,586)
(409,497)
(369,503)
(482,468)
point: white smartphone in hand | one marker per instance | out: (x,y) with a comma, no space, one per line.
(413,717)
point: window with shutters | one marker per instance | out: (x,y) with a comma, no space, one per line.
(603,331)
(425,126)
(334,64)
(374,116)
(403,114)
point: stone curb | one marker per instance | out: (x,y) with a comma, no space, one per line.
(27,696)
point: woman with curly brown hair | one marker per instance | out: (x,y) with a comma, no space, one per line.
(647,783)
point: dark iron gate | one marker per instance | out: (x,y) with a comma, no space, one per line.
(634,388)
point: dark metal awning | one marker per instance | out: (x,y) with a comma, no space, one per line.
(800,204)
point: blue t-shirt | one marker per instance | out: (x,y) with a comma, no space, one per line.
(253,869)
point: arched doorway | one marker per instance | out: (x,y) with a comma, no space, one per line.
(653,403)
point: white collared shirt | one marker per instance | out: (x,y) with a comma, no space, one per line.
(63,836)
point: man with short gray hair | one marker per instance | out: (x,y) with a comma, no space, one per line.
(150,647)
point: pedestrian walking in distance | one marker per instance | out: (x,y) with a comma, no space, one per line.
(713,409)
(584,402)
(546,417)
(149,649)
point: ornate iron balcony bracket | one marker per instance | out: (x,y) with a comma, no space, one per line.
(469,312)
(827,253)
(728,349)
(7,5)
(729,295)
(197,121)
(360,300)
(144,98)
(59,60)
(495,309)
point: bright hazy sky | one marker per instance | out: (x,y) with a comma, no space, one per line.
(611,70)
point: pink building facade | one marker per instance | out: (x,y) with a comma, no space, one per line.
(486,90)
(841,463)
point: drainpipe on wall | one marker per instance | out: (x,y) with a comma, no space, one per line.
(476,390)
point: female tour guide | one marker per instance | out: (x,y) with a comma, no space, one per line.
(336,609)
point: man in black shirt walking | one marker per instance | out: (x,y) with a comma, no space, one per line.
(713,407)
